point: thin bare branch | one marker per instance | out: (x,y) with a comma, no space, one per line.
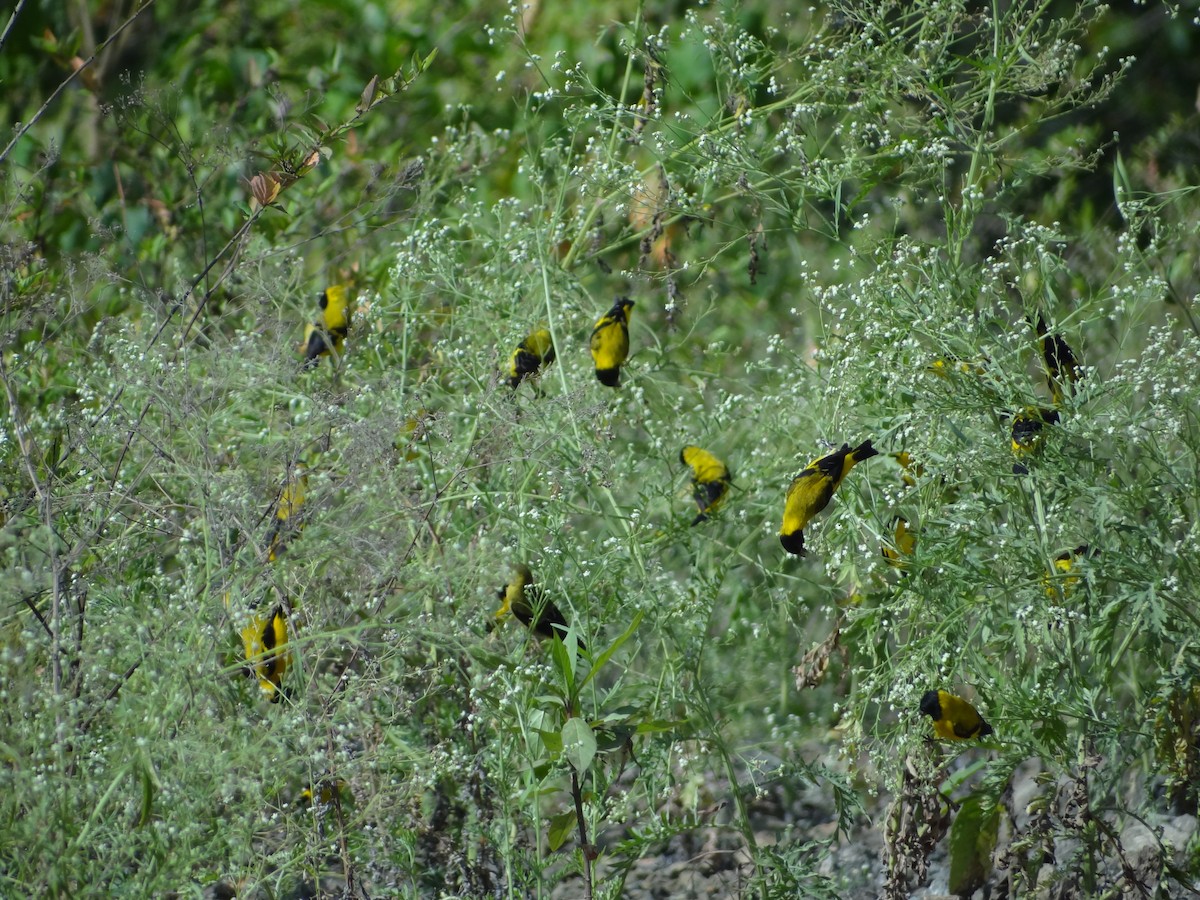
(66,82)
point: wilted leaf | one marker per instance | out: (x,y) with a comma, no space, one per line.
(368,94)
(88,76)
(812,668)
(311,160)
(264,188)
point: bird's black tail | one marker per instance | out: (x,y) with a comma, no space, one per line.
(863,451)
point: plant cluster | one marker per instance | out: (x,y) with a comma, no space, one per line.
(853,221)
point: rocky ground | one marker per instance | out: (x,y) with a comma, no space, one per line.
(1039,852)
(1136,858)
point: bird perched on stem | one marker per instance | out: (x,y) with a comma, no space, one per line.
(904,543)
(532,608)
(1064,563)
(610,342)
(287,510)
(1061,365)
(264,640)
(531,355)
(710,480)
(911,470)
(1028,428)
(328,333)
(811,491)
(953,717)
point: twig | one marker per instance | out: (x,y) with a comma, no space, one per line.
(584,847)
(22,432)
(43,495)
(24,129)
(12,20)
(37,613)
(110,696)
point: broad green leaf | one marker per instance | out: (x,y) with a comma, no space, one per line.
(565,659)
(972,840)
(561,827)
(579,743)
(1122,188)
(658,726)
(552,741)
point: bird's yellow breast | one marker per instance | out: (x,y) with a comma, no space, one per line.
(335,309)
(610,343)
(808,494)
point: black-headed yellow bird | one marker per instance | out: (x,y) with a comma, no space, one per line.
(1063,564)
(287,511)
(533,609)
(710,480)
(953,717)
(904,543)
(944,367)
(811,491)
(535,351)
(329,332)
(1061,365)
(324,792)
(1028,426)
(911,470)
(264,640)
(610,342)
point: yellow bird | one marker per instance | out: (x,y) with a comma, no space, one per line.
(1061,366)
(910,469)
(904,543)
(324,792)
(329,333)
(267,657)
(953,717)
(531,354)
(291,498)
(811,491)
(610,342)
(533,609)
(1063,564)
(943,367)
(1027,431)
(710,480)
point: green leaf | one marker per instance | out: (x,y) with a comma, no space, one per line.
(1051,731)
(1122,189)
(658,726)
(552,740)
(561,827)
(622,713)
(150,787)
(579,743)
(604,657)
(550,701)
(972,840)
(608,739)
(564,662)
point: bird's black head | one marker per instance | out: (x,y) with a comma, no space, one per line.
(930,705)
(793,543)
